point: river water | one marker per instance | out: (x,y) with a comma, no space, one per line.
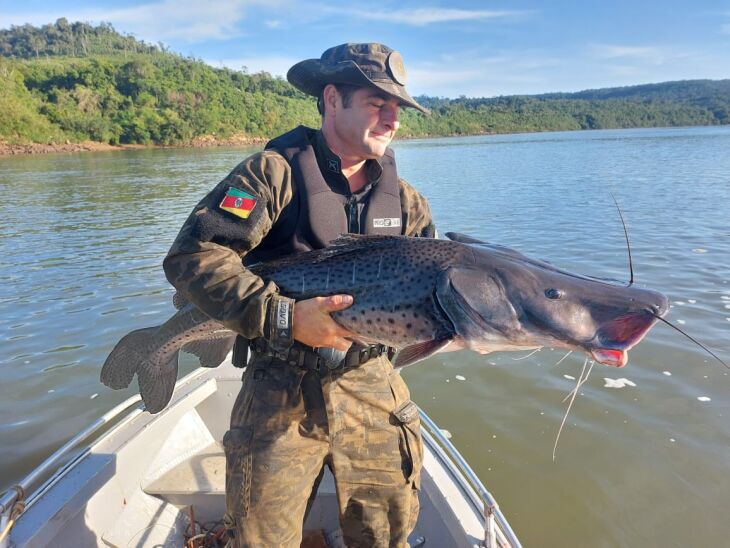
(647,464)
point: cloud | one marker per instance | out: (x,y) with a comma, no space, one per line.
(725,29)
(155,21)
(426,16)
(506,73)
(530,71)
(651,54)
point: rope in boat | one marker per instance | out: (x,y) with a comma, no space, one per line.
(211,534)
(16,509)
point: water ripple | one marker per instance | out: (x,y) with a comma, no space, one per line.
(77,275)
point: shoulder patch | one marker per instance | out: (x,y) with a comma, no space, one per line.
(238,202)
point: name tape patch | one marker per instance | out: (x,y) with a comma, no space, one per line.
(282,315)
(387,222)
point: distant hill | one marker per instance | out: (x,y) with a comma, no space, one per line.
(76,82)
(64,38)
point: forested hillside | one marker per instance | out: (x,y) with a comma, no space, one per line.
(76,82)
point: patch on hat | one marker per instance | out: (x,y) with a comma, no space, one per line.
(397,68)
(238,202)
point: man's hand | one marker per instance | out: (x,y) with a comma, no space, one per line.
(314,326)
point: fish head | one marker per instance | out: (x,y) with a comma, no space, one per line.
(504,300)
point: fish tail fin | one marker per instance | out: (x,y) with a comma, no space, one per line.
(126,357)
(157,382)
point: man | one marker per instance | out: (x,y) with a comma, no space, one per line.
(294,413)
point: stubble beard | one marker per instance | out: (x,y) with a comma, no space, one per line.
(378,145)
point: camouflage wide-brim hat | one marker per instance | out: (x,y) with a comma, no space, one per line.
(356,64)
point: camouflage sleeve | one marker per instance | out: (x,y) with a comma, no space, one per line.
(204,263)
(417,220)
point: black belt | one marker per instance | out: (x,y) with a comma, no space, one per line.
(307,357)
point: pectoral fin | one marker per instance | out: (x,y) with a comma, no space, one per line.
(417,352)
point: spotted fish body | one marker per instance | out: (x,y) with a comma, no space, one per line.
(392,284)
(418,295)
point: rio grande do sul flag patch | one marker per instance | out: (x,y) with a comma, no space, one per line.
(238,202)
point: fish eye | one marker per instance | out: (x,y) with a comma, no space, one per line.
(553,293)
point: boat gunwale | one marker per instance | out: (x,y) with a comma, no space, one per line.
(482,501)
(116,419)
(119,417)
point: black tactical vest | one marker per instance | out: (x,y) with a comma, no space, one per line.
(317,214)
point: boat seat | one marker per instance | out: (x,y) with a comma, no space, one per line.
(199,481)
(204,473)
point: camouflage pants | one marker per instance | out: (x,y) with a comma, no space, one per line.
(288,422)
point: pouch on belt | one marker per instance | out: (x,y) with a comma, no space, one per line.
(240,352)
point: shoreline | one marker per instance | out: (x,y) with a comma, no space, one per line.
(211,141)
(204,141)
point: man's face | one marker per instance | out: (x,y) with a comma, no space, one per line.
(366,127)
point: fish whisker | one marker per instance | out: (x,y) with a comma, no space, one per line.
(580,383)
(561,359)
(530,354)
(581,380)
(626,234)
(698,343)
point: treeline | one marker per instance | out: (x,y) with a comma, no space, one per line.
(75,82)
(567,112)
(144,99)
(64,38)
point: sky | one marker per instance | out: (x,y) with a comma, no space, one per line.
(450,48)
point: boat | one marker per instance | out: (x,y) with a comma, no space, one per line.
(136,479)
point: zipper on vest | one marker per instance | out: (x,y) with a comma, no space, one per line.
(353,219)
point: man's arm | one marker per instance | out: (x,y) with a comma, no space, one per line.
(204,263)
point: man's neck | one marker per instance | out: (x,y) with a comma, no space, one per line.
(352,168)
(355,174)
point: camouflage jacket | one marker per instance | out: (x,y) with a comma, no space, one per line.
(205,262)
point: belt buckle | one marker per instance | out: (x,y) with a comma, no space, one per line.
(332,366)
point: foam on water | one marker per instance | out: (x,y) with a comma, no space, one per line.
(617,383)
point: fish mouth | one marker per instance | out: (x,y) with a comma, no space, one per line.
(614,339)
(610,356)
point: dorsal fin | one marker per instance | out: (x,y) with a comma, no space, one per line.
(356,240)
(463,238)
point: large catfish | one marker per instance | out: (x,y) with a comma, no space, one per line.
(418,295)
